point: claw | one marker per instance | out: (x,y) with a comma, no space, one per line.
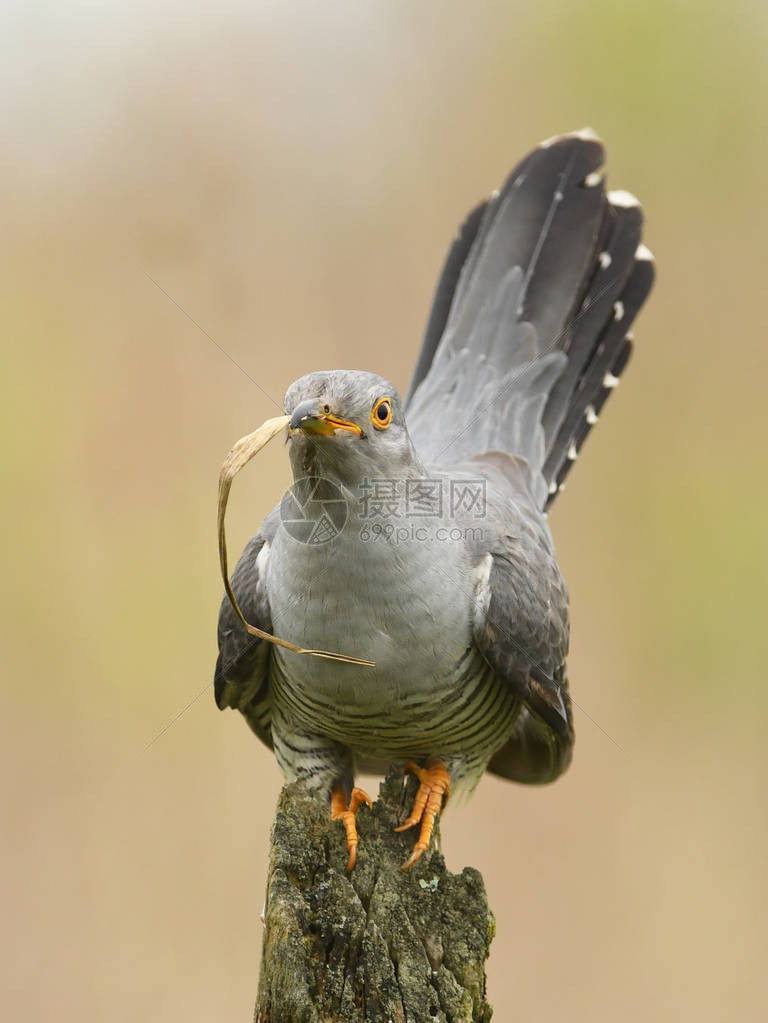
(435,786)
(344,812)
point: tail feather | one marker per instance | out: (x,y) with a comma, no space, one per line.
(530,315)
(446,288)
(545,220)
(612,266)
(610,352)
(491,208)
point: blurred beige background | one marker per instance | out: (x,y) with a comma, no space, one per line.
(290,174)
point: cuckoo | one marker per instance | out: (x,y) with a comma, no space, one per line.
(415,535)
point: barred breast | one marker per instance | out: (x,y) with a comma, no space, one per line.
(464,720)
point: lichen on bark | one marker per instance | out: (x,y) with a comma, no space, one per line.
(378,944)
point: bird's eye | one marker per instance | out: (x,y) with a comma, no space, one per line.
(381,413)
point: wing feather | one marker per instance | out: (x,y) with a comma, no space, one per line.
(241,678)
(521,627)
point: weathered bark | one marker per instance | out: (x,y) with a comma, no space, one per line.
(379,944)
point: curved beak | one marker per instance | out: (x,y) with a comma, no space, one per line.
(311,417)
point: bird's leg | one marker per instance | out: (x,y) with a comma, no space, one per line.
(345,812)
(435,786)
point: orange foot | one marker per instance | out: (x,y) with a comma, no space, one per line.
(346,813)
(435,784)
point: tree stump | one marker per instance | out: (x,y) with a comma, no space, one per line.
(377,945)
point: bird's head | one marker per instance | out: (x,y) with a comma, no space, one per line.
(346,425)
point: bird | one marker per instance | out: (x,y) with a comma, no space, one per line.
(415,535)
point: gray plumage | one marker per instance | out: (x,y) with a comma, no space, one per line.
(463,608)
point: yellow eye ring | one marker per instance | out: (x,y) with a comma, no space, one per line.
(381,413)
